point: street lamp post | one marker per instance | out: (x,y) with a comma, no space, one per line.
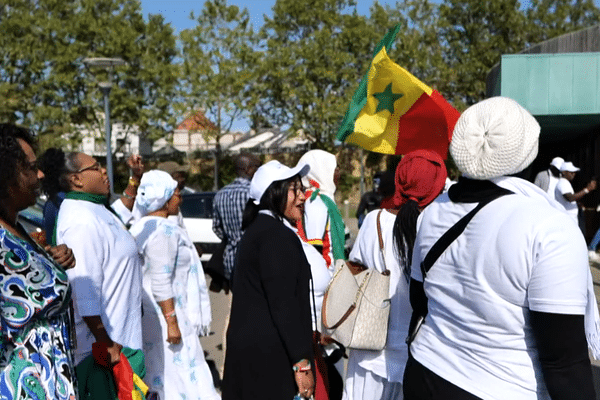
(109,64)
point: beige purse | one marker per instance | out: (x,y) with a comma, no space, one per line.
(356,306)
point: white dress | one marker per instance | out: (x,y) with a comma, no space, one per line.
(378,374)
(172,269)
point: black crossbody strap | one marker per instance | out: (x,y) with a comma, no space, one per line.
(451,234)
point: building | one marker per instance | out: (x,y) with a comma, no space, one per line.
(558,81)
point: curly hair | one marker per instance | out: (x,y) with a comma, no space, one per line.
(56,165)
(12,156)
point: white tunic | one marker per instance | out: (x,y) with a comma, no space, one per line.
(173,269)
(390,362)
(518,254)
(107,278)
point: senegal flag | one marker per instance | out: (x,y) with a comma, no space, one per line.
(392,112)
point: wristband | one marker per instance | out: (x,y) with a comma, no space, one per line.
(585,190)
(133,182)
(170,314)
(127,195)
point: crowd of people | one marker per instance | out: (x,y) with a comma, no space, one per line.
(488,278)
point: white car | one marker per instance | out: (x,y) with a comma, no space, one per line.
(196,209)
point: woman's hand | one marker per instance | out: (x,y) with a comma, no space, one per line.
(114,353)
(173,333)
(62,255)
(136,165)
(304,379)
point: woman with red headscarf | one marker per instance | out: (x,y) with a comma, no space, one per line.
(420,178)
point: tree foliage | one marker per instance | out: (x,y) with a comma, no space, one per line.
(219,67)
(44,83)
(299,71)
(313,49)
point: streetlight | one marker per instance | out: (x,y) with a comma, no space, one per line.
(108,64)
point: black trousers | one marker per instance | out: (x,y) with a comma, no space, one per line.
(420,383)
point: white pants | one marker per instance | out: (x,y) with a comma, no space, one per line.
(362,384)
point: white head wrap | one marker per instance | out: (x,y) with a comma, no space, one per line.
(493,138)
(156,188)
(322,168)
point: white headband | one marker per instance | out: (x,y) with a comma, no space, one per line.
(156,188)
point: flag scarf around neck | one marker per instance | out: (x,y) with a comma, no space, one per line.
(392,112)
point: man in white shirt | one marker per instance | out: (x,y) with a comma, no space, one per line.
(564,193)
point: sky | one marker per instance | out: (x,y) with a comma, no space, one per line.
(177,12)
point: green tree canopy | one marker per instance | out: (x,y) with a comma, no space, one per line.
(44,83)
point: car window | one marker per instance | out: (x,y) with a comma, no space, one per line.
(194,206)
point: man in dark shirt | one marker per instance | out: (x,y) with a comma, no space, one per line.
(370,200)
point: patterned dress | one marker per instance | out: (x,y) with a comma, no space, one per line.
(35,345)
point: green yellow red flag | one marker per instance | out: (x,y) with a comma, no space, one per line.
(393,112)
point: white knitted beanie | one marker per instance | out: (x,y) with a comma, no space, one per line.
(493,138)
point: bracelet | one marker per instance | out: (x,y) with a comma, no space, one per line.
(133,182)
(585,190)
(296,368)
(127,195)
(170,314)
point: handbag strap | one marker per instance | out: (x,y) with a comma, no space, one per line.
(350,309)
(451,234)
(380,236)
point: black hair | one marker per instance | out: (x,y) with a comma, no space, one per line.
(555,171)
(12,156)
(405,233)
(56,165)
(274,199)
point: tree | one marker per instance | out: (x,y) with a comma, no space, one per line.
(219,68)
(477,33)
(311,65)
(44,83)
(551,18)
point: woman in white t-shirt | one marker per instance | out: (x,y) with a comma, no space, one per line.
(420,178)
(510,302)
(107,277)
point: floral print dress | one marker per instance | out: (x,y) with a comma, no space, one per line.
(35,344)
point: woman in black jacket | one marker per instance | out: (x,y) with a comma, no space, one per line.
(269,340)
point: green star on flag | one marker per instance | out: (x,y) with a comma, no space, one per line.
(419,117)
(386,99)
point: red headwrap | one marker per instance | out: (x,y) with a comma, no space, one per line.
(420,176)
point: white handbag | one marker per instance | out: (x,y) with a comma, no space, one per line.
(356,306)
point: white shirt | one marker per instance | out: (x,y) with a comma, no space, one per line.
(316,226)
(553,181)
(107,278)
(519,253)
(321,275)
(390,362)
(564,187)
